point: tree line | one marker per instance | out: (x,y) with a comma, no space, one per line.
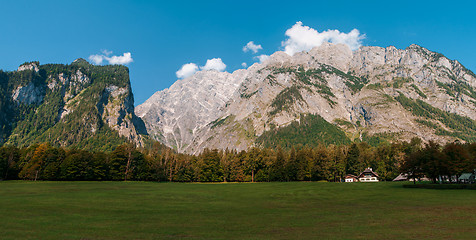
(441,163)
(299,163)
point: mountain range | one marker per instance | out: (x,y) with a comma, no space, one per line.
(328,95)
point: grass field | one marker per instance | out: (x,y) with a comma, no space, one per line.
(296,210)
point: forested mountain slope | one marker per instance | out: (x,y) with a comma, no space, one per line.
(80,105)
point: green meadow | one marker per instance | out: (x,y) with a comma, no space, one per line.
(288,210)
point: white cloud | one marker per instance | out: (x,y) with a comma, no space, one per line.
(106,52)
(187,70)
(262,58)
(243,64)
(251,46)
(126,58)
(97,59)
(214,64)
(303,38)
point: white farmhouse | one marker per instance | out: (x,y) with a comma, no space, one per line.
(368,176)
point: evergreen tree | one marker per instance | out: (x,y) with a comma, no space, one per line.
(9,156)
(352,164)
(211,170)
(278,166)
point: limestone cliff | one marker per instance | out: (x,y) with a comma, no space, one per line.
(373,92)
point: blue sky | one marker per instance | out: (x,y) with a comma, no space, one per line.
(162,36)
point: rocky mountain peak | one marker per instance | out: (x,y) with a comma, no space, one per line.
(29,66)
(278,57)
(337,55)
(81,62)
(173,115)
(372,91)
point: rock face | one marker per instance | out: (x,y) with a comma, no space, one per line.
(174,115)
(393,94)
(29,66)
(29,94)
(79,104)
(116,108)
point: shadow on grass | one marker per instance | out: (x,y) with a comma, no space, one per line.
(441,186)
